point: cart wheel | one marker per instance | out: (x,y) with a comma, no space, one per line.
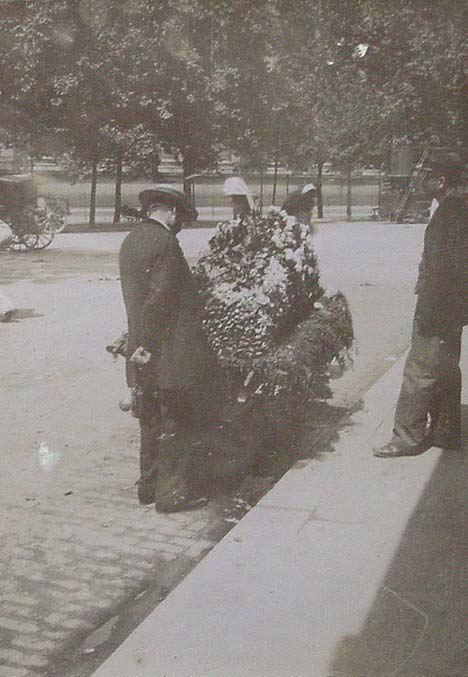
(29,240)
(43,235)
(43,231)
(61,221)
(17,243)
(42,240)
(57,210)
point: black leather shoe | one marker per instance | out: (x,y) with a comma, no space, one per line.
(145,491)
(182,505)
(6,317)
(392,450)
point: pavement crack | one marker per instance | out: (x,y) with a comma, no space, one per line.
(421,636)
(287,508)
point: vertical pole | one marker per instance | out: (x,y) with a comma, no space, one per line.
(275,180)
(92,199)
(379,195)
(261,187)
(118,189)
(349,203)
(187,183)
(319,190)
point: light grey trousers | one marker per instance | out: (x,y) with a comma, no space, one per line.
(429,406)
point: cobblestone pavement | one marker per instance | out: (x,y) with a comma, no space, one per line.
(82,557)
(76,546)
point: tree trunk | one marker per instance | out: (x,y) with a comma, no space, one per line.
(275,181)
(188,186)
(118,189)
(187,170)
(349,197)
(319,190)
(261,188)
(92,200)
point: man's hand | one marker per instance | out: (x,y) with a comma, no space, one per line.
(140,357)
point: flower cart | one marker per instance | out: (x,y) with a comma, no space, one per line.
(275,331)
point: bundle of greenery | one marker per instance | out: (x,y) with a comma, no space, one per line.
(266,315)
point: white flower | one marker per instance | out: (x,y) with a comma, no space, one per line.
(277,239)
(296,255)
(259,296)
(275,276)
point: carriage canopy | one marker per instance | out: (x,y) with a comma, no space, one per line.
(17,190)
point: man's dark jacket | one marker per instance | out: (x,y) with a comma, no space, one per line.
(163,310)
(442,285)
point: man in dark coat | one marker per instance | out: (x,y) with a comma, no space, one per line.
(168,358)
(300,203)
(428,410)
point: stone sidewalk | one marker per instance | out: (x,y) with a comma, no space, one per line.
(351,566)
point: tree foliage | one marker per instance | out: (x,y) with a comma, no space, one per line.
(300,83)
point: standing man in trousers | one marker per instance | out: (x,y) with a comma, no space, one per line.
(428,410)
(168,359)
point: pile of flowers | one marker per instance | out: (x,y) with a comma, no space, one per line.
(266,314)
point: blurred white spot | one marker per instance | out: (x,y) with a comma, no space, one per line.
(99,636)
(361,50)
(47,458)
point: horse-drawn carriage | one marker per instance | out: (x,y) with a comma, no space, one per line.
(33,219)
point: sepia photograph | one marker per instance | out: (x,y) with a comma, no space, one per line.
(234,370)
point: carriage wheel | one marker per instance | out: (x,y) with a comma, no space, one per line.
(16,243)
(57,210)
(42,240)
(61,221)
(45,232)
(28,241)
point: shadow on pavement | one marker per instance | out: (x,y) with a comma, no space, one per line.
(25,314)
(417,624)
(52,265)
(250,463)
